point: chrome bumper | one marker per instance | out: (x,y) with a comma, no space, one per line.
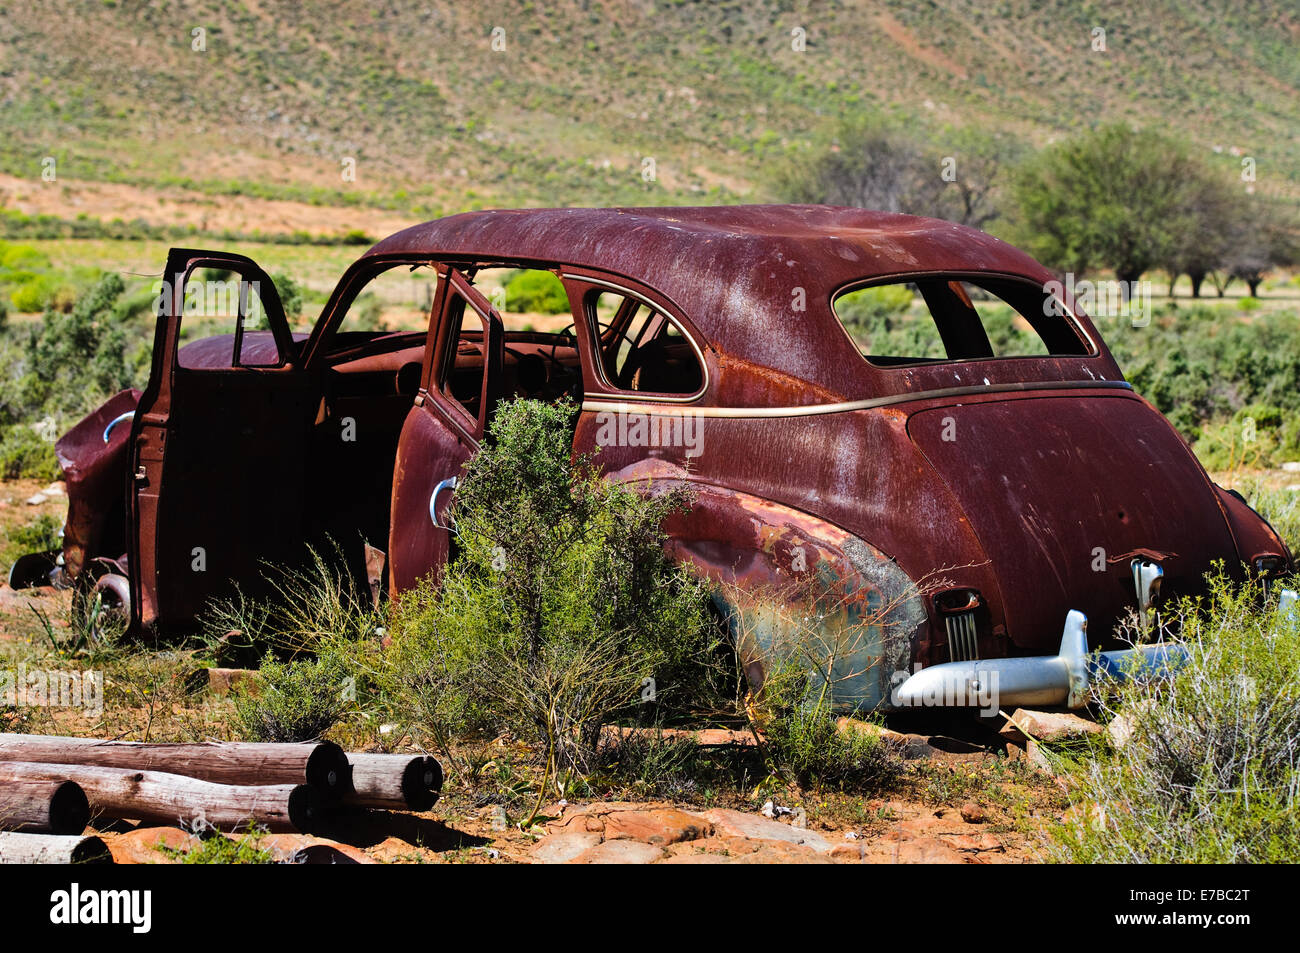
(1043,680)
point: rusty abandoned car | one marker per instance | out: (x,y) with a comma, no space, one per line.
(965,511)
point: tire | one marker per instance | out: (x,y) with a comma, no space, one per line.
(113,592)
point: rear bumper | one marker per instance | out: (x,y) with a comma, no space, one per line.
(1044,680)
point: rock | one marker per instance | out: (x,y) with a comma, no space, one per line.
(923,850)
(768,809)
(36,499)
(973,814)
(909,747)
(781,852)
(1053,726)
(620,852)
(221,681)
(142,845)
(54,489)
(563,847)
(660,826)
(1291,466)
(738,824)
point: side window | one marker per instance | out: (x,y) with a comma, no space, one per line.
(955,319)
(396,299)
(229,308)
(464,375)
(641,349)
(528,299)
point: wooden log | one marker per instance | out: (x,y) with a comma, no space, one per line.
(52,849)
(43,806)
(155,797)
(321,764)
(393,781)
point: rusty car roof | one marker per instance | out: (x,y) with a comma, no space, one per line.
(733,270)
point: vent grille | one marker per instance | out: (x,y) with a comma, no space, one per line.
(962,644)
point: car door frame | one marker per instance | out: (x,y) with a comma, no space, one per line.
(439,436)
(153,419)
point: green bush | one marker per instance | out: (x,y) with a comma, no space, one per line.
(559,606)
(803,741)
(40,535)
(294,701)
(537,292)
(218,849)
(25,453)
(1207,766)
(290,292)
(75,361)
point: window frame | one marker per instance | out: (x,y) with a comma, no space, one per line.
(1068,314)
(597,343)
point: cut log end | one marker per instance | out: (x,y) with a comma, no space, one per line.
(69,809)
(307,809)
(327,769)
(422,783)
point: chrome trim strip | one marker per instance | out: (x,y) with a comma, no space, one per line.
(597,403)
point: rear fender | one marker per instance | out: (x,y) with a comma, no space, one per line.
(790,586)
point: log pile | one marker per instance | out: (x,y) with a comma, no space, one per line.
(52,787)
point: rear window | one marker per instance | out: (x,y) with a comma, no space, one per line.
(956,319)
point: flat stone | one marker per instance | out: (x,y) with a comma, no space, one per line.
(305,849)
(141,846)
(973,814)
(1053,726)
(738,824)
(620,852)
(564,846)
(661,827)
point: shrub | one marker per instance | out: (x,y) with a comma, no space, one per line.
(1210,768)
(40,535)
(294,701)
(218,849)
(536,291)
(290,293)
(25,453)
(76,360)
(559,604)
(804,742)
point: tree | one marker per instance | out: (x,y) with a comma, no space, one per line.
(1262,237)
(1113,197)
(877,162)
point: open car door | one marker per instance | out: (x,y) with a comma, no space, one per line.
(459,391)
(217,443)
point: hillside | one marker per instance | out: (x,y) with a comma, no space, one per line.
(580,96)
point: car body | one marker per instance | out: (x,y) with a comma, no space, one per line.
(920,511)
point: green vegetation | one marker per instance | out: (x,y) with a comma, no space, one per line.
(294,701)
(804,743)
(218,849)
(1136,200)
(1204,768)
(536,291)
(559,609)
